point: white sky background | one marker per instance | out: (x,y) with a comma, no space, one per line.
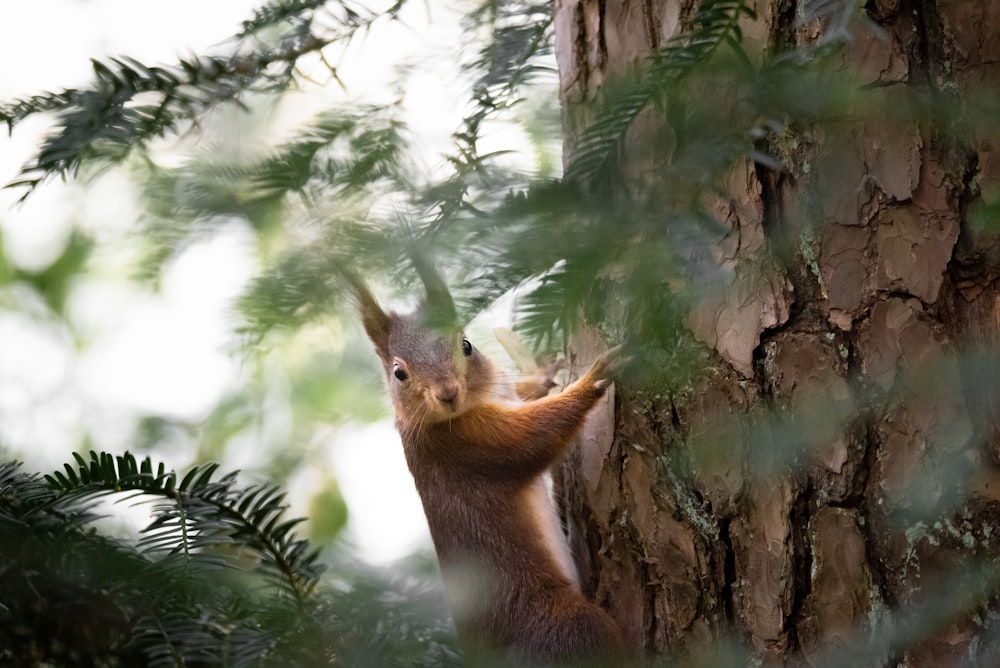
(169,353)
(42,388)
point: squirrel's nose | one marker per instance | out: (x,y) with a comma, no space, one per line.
(447,394)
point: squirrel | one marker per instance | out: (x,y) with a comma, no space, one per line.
(478,460)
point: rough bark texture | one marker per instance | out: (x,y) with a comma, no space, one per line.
(854,316)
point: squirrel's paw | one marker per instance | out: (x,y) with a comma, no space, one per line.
(538,384)
(605,367)
(546,374)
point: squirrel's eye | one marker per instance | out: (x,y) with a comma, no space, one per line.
(466,347)
(400,373)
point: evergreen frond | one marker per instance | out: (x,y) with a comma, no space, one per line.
(716,23)
(129,103)
(293,291)
(520,38)
(336,166)
(521,33)
(278,12)
(201,513)
(73,596)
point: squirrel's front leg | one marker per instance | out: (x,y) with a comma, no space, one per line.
(562,414)
(528,438)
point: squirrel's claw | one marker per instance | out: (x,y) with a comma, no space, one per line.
(606,366)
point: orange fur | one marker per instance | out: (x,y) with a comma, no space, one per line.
(478,463)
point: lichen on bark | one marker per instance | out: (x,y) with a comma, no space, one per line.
(839,456)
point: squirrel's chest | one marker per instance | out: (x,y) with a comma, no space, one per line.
(470,517)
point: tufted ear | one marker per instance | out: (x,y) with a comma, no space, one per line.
(377,323)
(439,308)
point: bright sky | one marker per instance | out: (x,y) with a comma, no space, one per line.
(170,352)
(41,383)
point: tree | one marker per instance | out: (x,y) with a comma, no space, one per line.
(822,489)
(786,211)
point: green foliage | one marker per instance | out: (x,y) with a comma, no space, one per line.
(277,13)
(495,228)
(54,281)
(216,578)
(520,39)
(129,103)
(716,23)
(342,192)
(549,235)
(174,596)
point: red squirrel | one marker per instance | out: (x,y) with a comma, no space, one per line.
(478,460)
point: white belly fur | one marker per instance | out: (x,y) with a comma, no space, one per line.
(547,522)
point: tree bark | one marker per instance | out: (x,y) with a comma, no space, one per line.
(828,491)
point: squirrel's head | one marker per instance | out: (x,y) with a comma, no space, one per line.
(433,372)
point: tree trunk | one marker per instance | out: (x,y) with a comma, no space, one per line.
(828,491)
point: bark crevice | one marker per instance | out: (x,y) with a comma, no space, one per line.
(790,495)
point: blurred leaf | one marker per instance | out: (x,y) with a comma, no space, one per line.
(54,282)
(327,514)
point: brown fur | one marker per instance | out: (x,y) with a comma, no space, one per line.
(477,461)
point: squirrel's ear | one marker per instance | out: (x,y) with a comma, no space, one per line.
(439,308)
(377,323)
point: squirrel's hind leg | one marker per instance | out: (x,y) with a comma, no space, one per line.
(539,383)
(577,633)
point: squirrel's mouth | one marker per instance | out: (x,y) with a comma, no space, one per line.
(447,410)
(447,399)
